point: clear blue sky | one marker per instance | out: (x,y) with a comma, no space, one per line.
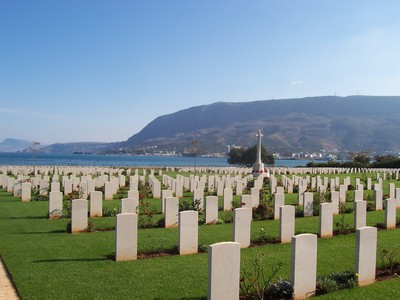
(81,70)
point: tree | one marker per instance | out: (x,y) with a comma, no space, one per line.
(361,157)
(235,156)
(386,161)
(247,157)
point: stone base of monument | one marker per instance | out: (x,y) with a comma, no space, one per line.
(258,169)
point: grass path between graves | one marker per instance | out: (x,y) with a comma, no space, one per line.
(45,262)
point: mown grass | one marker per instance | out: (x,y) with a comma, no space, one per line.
(46,262)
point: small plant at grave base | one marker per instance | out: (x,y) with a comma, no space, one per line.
(281,289)
(380,225)
(369,198)
(334,282)
(111,212)
(386,196)
(236,204)
(203,248)
(341,227)
(344,209)
(389,260)
(226,216)
(263,212)
(160,223)
(201,219)
(370,206)
(318,199)
(91,227)
(299,211)
(326,285)
(144,190)
(254,284)
(186,205)
(146,215)
(66,212)
(196,205)
(264,237)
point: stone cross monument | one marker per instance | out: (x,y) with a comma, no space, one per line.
(258,166)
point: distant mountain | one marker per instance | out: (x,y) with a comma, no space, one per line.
(13,145)
(331,123)
(83,147)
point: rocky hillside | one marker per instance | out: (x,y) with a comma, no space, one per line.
(13,145)
(343,123)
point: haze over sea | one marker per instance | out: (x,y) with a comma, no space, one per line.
(27,159)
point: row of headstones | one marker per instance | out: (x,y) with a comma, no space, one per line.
(127,205)
(86,184)
(304,247)
(64,170)
(332,208)
(187,222)
(213,182)
(304,170)
(224,265)
(321,184)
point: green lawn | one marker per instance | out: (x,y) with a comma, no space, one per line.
(46,262)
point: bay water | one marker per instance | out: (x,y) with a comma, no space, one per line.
(40,159)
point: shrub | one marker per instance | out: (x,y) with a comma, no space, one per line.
(186,205)
(111,212)
(341,227)
(226,216)
(281,289)
(334,282)
(146,215)
(299,211)
(389,260)
(67,209)
(264,237)
(253,285)
(203,248)
(91,227)
(326,285)
(263,212)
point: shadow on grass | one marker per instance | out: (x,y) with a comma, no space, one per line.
(186,298)
(71,260)
(42,232)
(27,218)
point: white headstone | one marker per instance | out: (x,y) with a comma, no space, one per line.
(304,265)
(55,205)
(79,216)
(126,231)
(223,271)
(188,232)
(360,214)
(390,213)
(171,212)
(96,204)
(242,226)
(325,220)
(211,209)
(365,260)
(286,223)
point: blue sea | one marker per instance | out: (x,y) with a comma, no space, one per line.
(28,159)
